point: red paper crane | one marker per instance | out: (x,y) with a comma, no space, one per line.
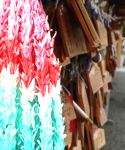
(25,41)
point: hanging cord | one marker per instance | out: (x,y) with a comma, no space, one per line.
(77,108)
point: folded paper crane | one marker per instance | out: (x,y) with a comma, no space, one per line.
(30,105)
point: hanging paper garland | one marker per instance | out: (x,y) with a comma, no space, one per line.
(29,93)
(58,136)
(8,109)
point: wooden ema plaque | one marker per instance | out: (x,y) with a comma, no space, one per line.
(82,97)
(102,31)
(99,138)
(86,23)
(69,115)
(102,116)
(72,36)
(96,79)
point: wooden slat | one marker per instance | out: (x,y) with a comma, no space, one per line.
(88,21)
(75,7)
